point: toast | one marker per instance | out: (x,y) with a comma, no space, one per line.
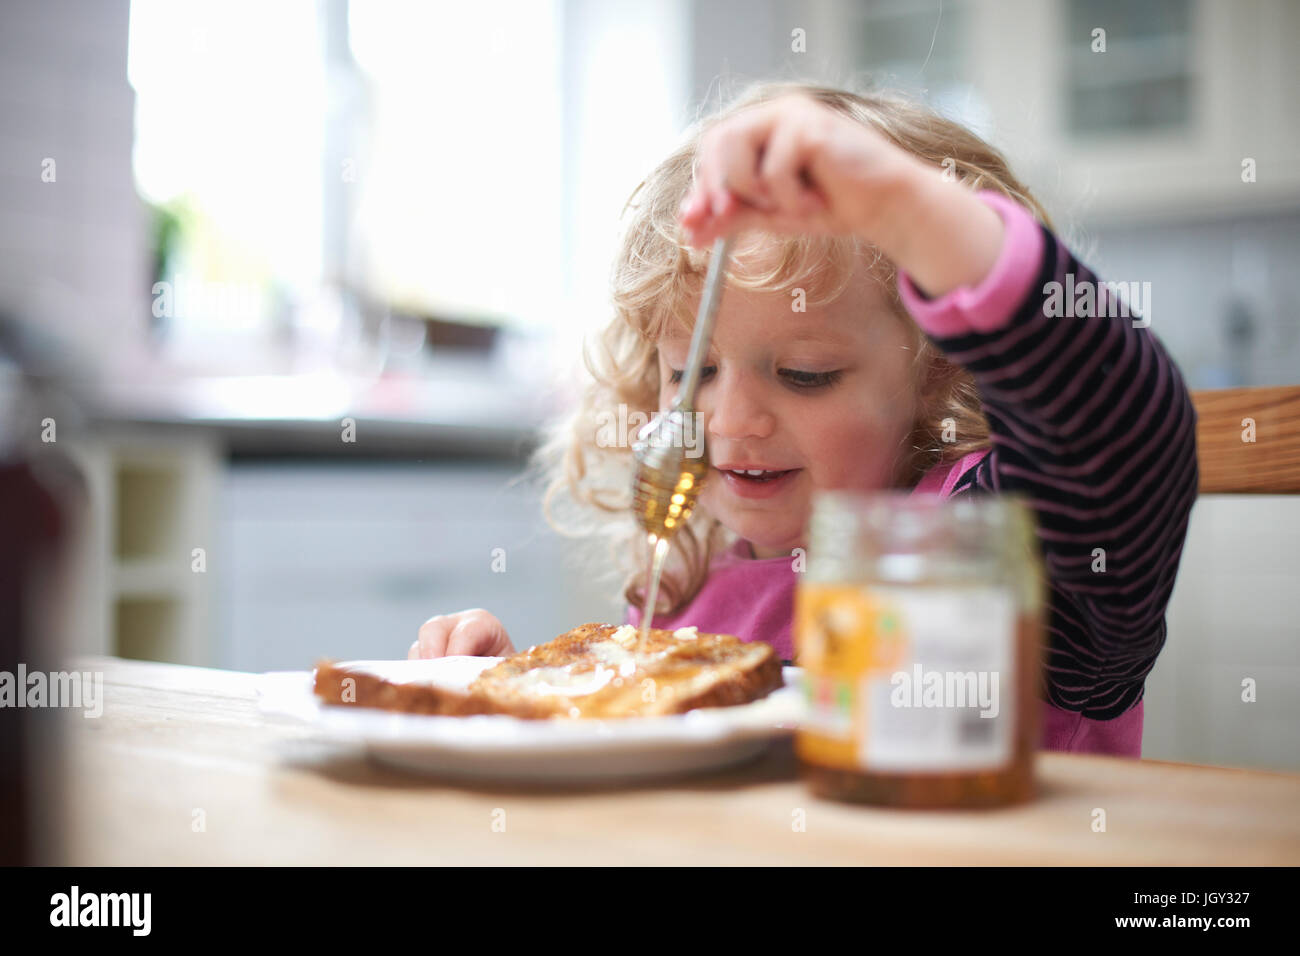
(594,671)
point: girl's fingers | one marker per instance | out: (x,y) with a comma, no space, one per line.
(813,205)
(753,174)
(695,210)
(709,176)
(692,206)
(432,638)
(703,229)
(782,168)
(737,160)
(736,219)
(727,166)
(470,636)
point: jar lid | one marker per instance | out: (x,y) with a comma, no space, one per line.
(866,524)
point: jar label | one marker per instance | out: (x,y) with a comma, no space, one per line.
(907,678)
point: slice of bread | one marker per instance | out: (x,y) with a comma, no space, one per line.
(593,671)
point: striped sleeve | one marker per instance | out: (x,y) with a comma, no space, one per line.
(1091,421)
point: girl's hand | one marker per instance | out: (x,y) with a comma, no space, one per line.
(793,166)
(474,632)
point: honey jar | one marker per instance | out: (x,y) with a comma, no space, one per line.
(919,626)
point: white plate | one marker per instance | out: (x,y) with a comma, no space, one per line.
(501,747)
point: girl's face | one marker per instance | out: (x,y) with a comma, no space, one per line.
(824,397)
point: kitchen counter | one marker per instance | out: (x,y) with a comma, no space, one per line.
(178,744)
(458,407)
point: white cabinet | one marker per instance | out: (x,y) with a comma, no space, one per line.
(346,560)
(142,583)
(1155,127)
(1159,125)
(188,558)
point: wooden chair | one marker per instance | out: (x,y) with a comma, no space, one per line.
(1229,463)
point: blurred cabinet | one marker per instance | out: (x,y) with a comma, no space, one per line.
(143,573)
(347,559)
(258,564)
(1113,111)
(1187,97)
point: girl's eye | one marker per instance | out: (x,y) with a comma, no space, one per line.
(810,379)
(705,372)
(793,376)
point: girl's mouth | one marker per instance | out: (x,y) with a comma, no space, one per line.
(764,484)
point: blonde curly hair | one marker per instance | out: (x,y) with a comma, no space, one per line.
(655,278)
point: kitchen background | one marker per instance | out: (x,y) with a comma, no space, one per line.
(228,230)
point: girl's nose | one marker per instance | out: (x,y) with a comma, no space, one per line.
(734,409)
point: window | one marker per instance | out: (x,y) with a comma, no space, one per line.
(1142,79)
(229,100)
(467,162)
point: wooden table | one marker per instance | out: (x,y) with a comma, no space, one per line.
(179,744)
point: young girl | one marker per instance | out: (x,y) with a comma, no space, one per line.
(889,320)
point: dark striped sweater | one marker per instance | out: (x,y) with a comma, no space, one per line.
(1091,421)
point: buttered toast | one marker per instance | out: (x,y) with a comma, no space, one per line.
(593,671)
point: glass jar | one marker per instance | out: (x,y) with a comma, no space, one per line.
(919,626)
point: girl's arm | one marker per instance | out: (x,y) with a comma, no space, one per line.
(938,232)
(1089,419)
(1088,413)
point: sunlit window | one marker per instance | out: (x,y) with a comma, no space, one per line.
(460,197)
(310,165)
(229,101)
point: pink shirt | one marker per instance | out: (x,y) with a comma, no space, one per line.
(754,598)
